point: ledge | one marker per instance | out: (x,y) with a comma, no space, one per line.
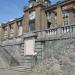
(28,35)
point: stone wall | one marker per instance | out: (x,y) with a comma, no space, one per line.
(55,53)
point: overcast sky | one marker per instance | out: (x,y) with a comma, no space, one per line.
(10,9)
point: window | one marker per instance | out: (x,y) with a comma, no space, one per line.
(66,18)
(20,28)
(64,8)
(73,12)
(32,16)
(48,16)
(48,25)
(19,23)
(48,19)
(5,32)
(11,30)
(32,25)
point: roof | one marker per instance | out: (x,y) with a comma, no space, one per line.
(61,3)
(12,21)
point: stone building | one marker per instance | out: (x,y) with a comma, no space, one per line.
(23,40)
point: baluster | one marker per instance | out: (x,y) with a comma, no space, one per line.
(55,31)
(73,28)
(64,29)
(48,32)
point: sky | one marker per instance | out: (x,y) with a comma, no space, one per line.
(11,9)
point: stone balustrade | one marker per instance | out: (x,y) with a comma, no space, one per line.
(48,32)
(56,31)
(60,30)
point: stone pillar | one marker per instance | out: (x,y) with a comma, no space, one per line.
(8,30)
(2,33)
(59,16)
(71,18)
(15,29)
(38,18)
(26,22)
(53,19)
(43,20)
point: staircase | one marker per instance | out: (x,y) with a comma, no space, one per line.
(7,57)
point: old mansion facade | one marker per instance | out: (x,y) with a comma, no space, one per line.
(23,40)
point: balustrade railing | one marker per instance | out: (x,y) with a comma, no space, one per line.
(53,31)
(57,31)
(60,30)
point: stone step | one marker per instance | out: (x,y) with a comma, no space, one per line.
(19,68)
(37,50)
(38,43)
(38,47)
(22,54)
(22,46)
(22,51)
